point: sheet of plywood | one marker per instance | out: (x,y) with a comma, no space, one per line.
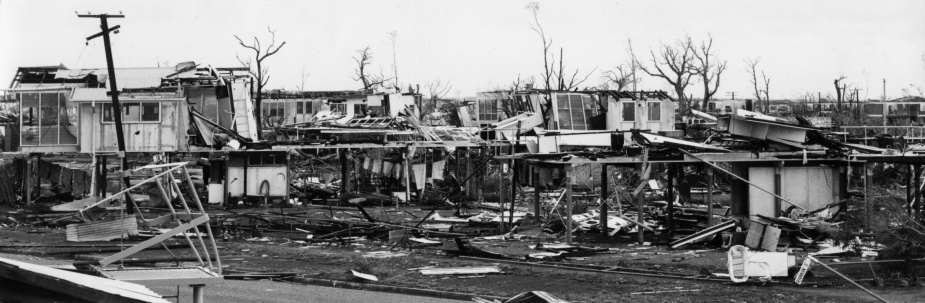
(760,202)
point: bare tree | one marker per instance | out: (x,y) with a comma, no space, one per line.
(621,76)
(261,75)
(675,65)
(369,80)
(913,89)
(437,90)
(767,89)
(839,92)
(301,87)
(633,66)
(709,72)
(753,71)
(393,36)
(553,78)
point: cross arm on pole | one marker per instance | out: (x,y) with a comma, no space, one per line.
(101,16)
(100,34)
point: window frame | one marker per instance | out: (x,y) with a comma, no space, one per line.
(107,110)
(585,108)
(266,159)
(488,110)
(36,113)
(623,111)
(342,107)
(649,111)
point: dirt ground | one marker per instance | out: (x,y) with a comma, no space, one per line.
(334,261)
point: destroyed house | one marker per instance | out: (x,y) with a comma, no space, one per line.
(64,110)
(284,108)
(563,119)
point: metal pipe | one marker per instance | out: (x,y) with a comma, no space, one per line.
(205,250)
(847,279)
(173,213)
(218,260)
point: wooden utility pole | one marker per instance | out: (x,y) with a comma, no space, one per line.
(114,93)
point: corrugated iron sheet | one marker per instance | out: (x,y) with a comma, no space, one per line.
(102,230)
(75,205)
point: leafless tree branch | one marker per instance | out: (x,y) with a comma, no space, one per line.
(260,73)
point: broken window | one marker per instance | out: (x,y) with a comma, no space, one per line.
(135,112)
(655,111)
(339,107)
(359,110)
(629,111)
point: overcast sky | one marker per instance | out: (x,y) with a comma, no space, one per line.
(482,45)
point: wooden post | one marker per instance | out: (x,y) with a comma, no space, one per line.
(480,178)
(868,178)
(344,174)
(288,182)
(918,190)
(458,170)
(640,207)
(604,195)
(670,196)
(36,167)
(777,187)
(28,184)
(568,204)
(908,189)
(513,191)
(407,169)
(536,193)
(514,177)
(468,172)
(709,196)
(104,182)
(94,167)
